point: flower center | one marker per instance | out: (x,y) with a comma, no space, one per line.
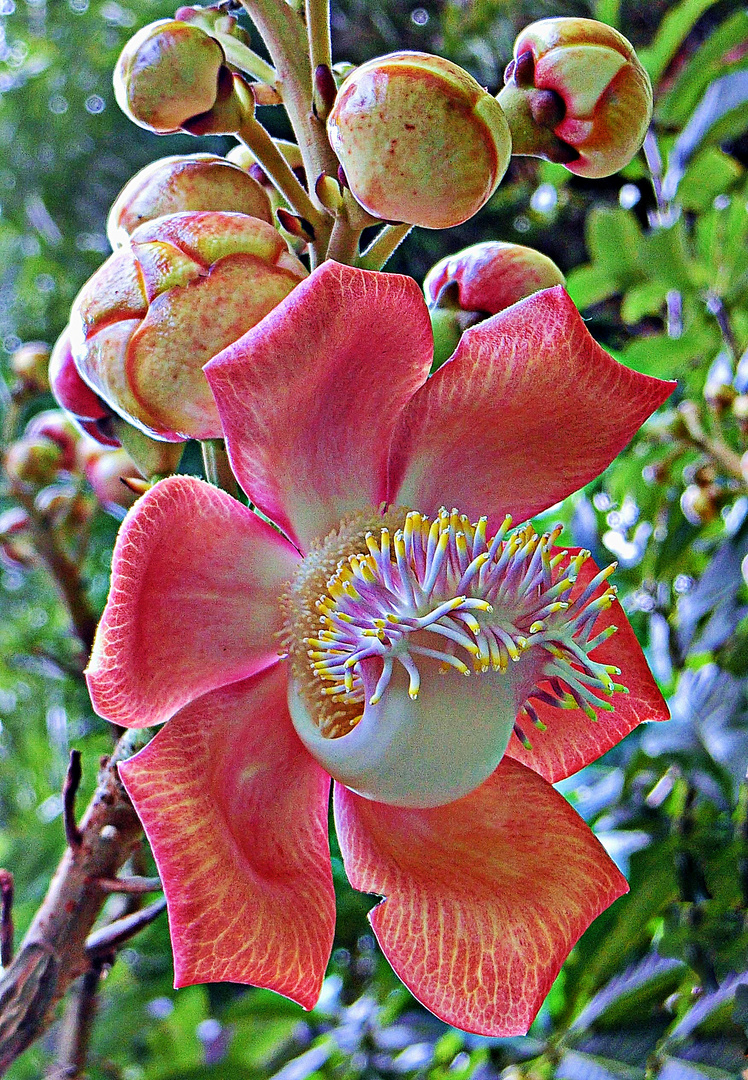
(391,614)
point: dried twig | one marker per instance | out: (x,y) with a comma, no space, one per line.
(6,917)
(77,1024)
(54,952)
(73,835)
(133,884)
(107,939)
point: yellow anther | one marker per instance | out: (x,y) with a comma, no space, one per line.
(537,627)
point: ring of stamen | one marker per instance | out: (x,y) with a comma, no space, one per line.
(442,589)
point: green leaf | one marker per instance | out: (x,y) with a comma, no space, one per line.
(680,101)
(710,173)
(645,299)
(589,285)
(614,241)
(674,29)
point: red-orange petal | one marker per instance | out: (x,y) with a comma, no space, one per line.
(193,604)
(528,409)
(485,897)
(309,398)
(572,740)
(236,813)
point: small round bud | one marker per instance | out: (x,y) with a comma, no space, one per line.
(489,277)
(56,425)
(29,364)
(191,182)
(740,407)
(184,288)
(576,94)
(167,74)
(701,505)
(106,472)
(419,139)
(33,460)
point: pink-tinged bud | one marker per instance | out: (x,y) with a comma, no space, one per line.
(176,184)
(576,94)
(77,398)
(58,427)
(168,74)
(489,277)
(29,364)
(185,287)
(34,461)
(419,139)
(107,472)
(16,547)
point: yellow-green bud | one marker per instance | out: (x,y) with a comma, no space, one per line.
(29,364)
(190,182)
(576,94)
(419,139)
(167,74)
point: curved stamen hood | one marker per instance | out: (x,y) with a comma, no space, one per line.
(409,608)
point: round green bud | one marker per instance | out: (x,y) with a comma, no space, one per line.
(419,139)
(167,74)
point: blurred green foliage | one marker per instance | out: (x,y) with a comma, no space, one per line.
(658,987)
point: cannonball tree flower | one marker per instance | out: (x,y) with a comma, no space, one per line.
(419,649)
(184,287)
(576,93)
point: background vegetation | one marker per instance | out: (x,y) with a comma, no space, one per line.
(657,259)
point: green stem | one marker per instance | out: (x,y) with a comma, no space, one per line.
(256,139)
(246,59)
(217,467)
(344,241)
(320,46)
(383,246)
(283,31)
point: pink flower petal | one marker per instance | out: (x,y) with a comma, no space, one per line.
(572,740)
(309,398)
(484,897)
(528,409)
(196,580)
(236,812)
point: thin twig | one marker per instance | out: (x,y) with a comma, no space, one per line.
(77,1025)
(109,938)
(53,953)
(715,307)
(64,571)
(132,884)
(73,835)
(727,458)
(217,466)
(6,918)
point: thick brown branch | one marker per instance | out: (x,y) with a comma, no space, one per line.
(53,954)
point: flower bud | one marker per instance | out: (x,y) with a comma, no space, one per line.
(576,94)
(106,471)
(489,277)
(419,139)
(56,425)
(191,182)
(29,365)
(167,74)
(184,288)
(16,547)
(77,398)
(33,460)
